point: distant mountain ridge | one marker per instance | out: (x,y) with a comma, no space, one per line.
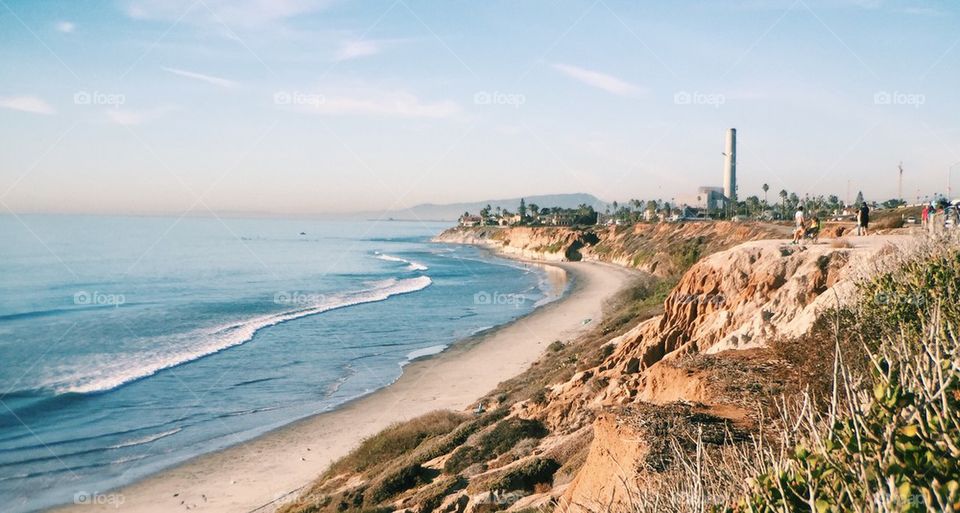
(452,211)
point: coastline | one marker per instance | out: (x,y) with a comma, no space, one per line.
(265,472)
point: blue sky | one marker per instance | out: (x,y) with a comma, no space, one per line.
(309,106)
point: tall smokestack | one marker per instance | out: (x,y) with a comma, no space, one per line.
(730,166)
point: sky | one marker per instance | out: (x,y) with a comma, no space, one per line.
(323,106)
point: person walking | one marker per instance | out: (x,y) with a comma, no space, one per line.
(925,216)
(800,222)
(863,219)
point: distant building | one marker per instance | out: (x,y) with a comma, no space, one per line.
(509,220)
(562,219)
(469,221)
(711,198)
(608,219)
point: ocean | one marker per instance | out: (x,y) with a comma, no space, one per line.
(130,344)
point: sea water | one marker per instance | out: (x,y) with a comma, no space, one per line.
(129,344)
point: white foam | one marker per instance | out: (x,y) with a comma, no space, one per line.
(107,372)
(147,439)
(411,265)
(426,351)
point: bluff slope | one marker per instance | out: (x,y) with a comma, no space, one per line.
(662,249)
(601,428)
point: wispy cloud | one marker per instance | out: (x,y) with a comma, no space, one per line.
(27,103)
(129,117)
(356,49)
(369,102)
(66,27)
(233,13)
(222,82)
(599,80)
(922,11)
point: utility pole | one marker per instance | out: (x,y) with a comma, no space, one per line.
(900,183)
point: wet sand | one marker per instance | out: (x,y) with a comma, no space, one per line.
(263,473)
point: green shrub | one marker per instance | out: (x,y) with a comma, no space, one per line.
(893,443)
(462,458)
(497,441)
(896,451)
(508,432)
(432,496)
(539,397)
(902,299)
(457,437)
(399,481)
(527,476)
(397,440)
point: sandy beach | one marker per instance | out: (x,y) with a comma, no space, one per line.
(265,472)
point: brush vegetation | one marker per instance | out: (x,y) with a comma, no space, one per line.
(878,427)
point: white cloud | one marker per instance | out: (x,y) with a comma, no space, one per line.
(27,103)
(371,102)
(359,48)
(222,82)
(599,80)
(922,11)
(128,117)
(65,26)
(233,13)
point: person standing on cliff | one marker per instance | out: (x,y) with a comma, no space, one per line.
(863,219)
(801,224)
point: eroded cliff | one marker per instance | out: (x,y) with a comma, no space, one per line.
(596,420)
(662,249)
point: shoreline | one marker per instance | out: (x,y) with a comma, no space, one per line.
(267,471)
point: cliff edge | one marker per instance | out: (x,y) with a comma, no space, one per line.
(596,420)
(662,249)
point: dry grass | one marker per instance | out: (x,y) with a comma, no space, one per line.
(397,440)
(633,305)
(887,435)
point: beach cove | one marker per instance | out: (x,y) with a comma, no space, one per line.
(266,472)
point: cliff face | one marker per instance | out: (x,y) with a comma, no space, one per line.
(662,249)
(598,435)
(707,350)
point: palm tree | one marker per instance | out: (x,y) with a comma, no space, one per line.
(783,202)
(765,188)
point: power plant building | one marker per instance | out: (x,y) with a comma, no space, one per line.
(719,198)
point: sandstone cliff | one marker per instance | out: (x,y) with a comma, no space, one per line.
(707,351)
(611,407)
(662,249)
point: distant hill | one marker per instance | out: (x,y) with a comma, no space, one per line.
(452,211)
